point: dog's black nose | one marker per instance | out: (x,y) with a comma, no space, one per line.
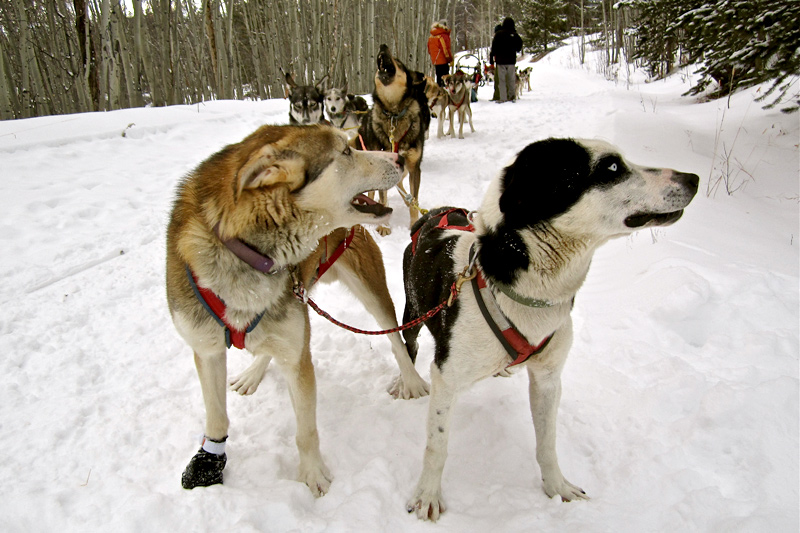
(690,181)
(401,161)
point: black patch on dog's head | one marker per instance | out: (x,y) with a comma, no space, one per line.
(545,180)
(549,177)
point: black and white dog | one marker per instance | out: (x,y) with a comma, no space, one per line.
(306,102)
(529,249)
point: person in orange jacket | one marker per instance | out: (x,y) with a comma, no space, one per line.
(439,49)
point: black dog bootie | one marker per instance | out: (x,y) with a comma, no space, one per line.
(203,470)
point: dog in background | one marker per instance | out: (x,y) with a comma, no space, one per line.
(438,99)
(344,110)
(488,73)
(397,122)
(244,232)
(523,255)
(523,80)
(458,89)
(306,102)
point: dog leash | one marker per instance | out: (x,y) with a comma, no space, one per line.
(467,274)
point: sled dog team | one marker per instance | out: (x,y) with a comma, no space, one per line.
(255,226)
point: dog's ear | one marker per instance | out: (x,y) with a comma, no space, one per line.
(289,79)
(267,167)
(321,84)
(418,81)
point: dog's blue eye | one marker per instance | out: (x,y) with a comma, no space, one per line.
(613,167)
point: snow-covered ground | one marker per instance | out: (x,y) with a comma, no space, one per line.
(680,403)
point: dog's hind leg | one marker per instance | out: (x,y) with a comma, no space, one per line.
(544,388)
(207,465)
(427,499)
(361,270)
(469,114)
(248,381)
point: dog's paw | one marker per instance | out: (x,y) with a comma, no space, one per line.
(565,489)
(428,505)
(248,381)
(205,469)
(503,374)
(384,230)
(317,478)
(402,391)
(245,384)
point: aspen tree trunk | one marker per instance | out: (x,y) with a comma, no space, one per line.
(26,61)
(208,11)
(232,77)
(142,53)
(7,101)
(583,43)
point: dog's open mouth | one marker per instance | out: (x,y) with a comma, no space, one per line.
(364,204)
(386,67)
(659,219)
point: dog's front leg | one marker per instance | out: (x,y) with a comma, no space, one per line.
(469,114)
(453,113)
(207,465)
(427,500)
(545,394)
(384,229)
(299,373)
(414,159)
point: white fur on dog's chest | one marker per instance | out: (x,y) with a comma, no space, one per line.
(474,351)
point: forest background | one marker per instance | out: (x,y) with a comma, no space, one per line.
(73,56)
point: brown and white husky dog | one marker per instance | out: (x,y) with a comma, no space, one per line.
(245,229)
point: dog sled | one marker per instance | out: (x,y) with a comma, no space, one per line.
(472,66)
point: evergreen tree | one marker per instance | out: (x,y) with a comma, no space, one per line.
(742,43)
(544,22)
(658,41)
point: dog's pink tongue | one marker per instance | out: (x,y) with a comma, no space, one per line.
(364,199)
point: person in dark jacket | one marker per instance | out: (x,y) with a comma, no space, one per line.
(496,95)
(503,54)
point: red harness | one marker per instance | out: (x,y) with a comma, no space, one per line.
(461,102)
(444,223)
(326,262)
(216,307)
(514,342)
